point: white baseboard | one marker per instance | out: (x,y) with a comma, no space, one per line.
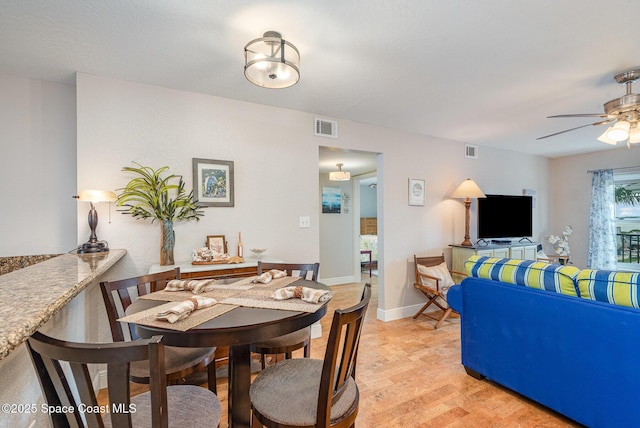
(100,380)
(398,313)
(338,280)
(316,330)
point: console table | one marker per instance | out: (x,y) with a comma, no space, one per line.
(514,250)
(222,270)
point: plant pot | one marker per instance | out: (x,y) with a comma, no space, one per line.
(167,242)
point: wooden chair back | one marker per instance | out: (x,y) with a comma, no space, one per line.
(304,270)
(47,353)
(118,295)
(340,359)
(427,262)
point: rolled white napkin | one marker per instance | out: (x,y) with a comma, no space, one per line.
(268,276)
(184,309)
(195,286)
(309,295)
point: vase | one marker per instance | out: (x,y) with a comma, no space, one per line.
(167,242)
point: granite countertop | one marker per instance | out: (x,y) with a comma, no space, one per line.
(29,297)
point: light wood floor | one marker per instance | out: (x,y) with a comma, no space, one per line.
(409,375)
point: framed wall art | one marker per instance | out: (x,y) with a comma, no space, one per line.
(416,191)
(213,182)
(331,200)
(217,244)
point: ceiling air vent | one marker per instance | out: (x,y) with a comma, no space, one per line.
(326,128)
(471,151)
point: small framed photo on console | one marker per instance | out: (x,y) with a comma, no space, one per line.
(217,244)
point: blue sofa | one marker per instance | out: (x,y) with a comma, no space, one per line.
(549,333)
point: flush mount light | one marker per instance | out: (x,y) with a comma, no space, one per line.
(271,62)
(339,175)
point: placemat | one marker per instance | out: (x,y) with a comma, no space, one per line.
(220,291)
(179,296)
(260,297)
(147,317)
(274,284)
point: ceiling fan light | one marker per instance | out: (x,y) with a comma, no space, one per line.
(619,131)
(634,135)
(604,139)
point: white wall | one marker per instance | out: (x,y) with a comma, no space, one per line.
(571,199)
(275,159)
(368,202)
(276,173)
(37,167)
(336,238)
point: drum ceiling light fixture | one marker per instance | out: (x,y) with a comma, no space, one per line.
(339,175)
(271,62)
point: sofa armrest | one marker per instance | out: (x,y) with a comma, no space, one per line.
(454,298)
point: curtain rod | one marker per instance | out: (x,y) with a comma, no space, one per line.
(589,171)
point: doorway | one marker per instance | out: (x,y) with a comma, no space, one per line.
(340,232)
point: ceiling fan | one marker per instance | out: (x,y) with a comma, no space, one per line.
(623,113)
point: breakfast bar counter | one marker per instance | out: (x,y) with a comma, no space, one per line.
(29,297)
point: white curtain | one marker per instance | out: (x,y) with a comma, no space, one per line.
(602,222)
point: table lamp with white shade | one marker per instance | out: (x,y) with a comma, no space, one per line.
(94,196)
(466,190)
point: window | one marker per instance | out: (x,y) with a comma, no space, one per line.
(628,218)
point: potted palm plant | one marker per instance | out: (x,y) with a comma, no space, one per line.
(152,195)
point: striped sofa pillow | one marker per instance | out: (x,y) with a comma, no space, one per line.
(618,288)
(529,273)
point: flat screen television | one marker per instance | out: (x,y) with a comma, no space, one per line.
(505,216)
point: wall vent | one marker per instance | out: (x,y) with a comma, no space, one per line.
(471,151)
(326,128)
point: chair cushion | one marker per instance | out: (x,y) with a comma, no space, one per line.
(176,359)
(540,275)
(287,392)
(291,339)
(441,272)
(187,405)
(618,288)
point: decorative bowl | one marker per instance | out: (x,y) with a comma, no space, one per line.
(258,252)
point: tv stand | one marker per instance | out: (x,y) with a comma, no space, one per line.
(525,239)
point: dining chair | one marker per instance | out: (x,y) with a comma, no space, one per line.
(433,279)
(307,392)
(287,343)
(179,362)
(161,406)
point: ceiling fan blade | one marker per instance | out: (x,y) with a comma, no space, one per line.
(602,122)
(578,115)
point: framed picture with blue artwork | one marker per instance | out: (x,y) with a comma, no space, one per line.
(213,182)
(331,200)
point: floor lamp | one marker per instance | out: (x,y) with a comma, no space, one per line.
(466,190)
(94,196)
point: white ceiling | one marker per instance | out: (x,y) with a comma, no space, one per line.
(483,72)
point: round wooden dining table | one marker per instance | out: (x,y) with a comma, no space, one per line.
(238,329)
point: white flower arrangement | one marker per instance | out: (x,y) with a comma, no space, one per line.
(561,243)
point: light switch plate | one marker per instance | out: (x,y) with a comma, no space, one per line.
(305,222)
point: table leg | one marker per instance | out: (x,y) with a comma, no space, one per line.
(239,382)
